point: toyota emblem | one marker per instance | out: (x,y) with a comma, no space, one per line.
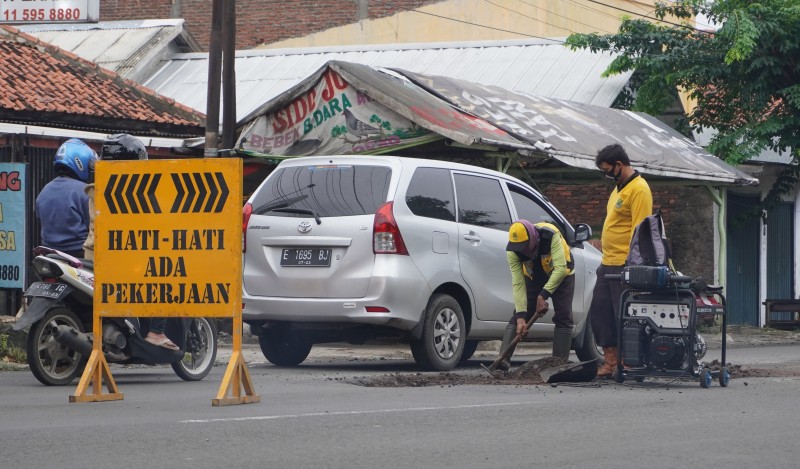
(304,226)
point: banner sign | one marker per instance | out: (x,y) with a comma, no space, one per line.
(168,238)
(332,118)
(12,225)
(49,11)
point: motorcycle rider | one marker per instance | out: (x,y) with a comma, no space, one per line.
(125,147)
(62,206)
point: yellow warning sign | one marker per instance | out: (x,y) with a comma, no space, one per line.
(168,239)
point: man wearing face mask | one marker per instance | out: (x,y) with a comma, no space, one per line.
(629,203)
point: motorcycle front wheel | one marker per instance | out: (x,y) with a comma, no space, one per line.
(53,363)
(199,350)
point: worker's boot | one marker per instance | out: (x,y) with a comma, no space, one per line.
(562,342)
(610,355)
(508,337)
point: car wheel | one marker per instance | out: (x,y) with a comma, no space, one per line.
(470,347)
(588,350)
(284,347)
(443,335)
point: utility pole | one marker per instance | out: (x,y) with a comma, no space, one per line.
(229,76)
(214,74)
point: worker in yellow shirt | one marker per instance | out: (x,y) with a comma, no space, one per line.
(629,203)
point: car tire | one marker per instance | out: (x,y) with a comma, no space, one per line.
(588,350)
(443,335)
(283,347)
(469,350)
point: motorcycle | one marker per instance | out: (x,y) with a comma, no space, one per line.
(60,339)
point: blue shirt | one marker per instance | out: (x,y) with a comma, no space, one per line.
(63,210)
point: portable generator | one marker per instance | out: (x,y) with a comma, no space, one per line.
(657,327)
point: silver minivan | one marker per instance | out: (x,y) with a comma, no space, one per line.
(355,248)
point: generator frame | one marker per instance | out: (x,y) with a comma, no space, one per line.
(677,293)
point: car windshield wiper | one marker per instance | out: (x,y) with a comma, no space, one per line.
(299,210)
(272,205)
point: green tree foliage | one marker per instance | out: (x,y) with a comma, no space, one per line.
(745,76)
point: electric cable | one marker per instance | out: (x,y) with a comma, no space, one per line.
(545,22)
(647,17)
(553,40)
(557,41)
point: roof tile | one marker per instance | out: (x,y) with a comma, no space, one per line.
(41,78)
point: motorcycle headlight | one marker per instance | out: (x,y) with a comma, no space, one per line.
(46,268)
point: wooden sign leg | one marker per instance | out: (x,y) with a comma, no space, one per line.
(95,373)
(237,376)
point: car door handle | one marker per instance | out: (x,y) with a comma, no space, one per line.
(472,237)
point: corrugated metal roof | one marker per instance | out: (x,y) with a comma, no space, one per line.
(550,133)
(766,156)
(129,48)
(544,68)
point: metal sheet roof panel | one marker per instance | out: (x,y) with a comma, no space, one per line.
(545,68)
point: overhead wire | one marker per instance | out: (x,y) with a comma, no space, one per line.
(543,21)
(559,41)
(553,40)
(686,26)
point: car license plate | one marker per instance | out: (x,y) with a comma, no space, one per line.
(306,257)
(47,290)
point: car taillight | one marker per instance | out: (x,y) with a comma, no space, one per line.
(386,238)
(247,210)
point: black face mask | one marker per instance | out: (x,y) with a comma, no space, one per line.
(611,175)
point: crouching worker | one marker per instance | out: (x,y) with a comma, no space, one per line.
(541,268)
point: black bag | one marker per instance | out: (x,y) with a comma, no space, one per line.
(649,244)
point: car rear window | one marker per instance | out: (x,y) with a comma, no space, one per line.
(329,190)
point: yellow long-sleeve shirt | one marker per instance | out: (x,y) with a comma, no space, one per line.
(627,207)
(554,264)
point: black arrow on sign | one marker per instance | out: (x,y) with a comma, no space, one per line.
(126,193)
(151,193)
(197,192)
(107,194)
(201,192)
(176,180)
(191,193)
(140,193)
(212,196)
(136,193)
(223,192)
(129,193)
(118,193)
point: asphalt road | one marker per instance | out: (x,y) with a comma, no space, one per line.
(312,416)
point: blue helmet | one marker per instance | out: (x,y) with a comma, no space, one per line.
(77,157)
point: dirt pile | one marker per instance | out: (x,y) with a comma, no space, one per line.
(530,373)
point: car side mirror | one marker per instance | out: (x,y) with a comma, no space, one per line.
(583,232)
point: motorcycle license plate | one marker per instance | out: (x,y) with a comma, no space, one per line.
(309,257)
(47,290)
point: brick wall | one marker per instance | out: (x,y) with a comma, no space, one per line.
(688,218)
(257,21)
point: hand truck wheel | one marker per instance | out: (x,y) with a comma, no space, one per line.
(724,376)
(705,377)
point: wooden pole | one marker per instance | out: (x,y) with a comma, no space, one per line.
(229,76)
(214,73)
